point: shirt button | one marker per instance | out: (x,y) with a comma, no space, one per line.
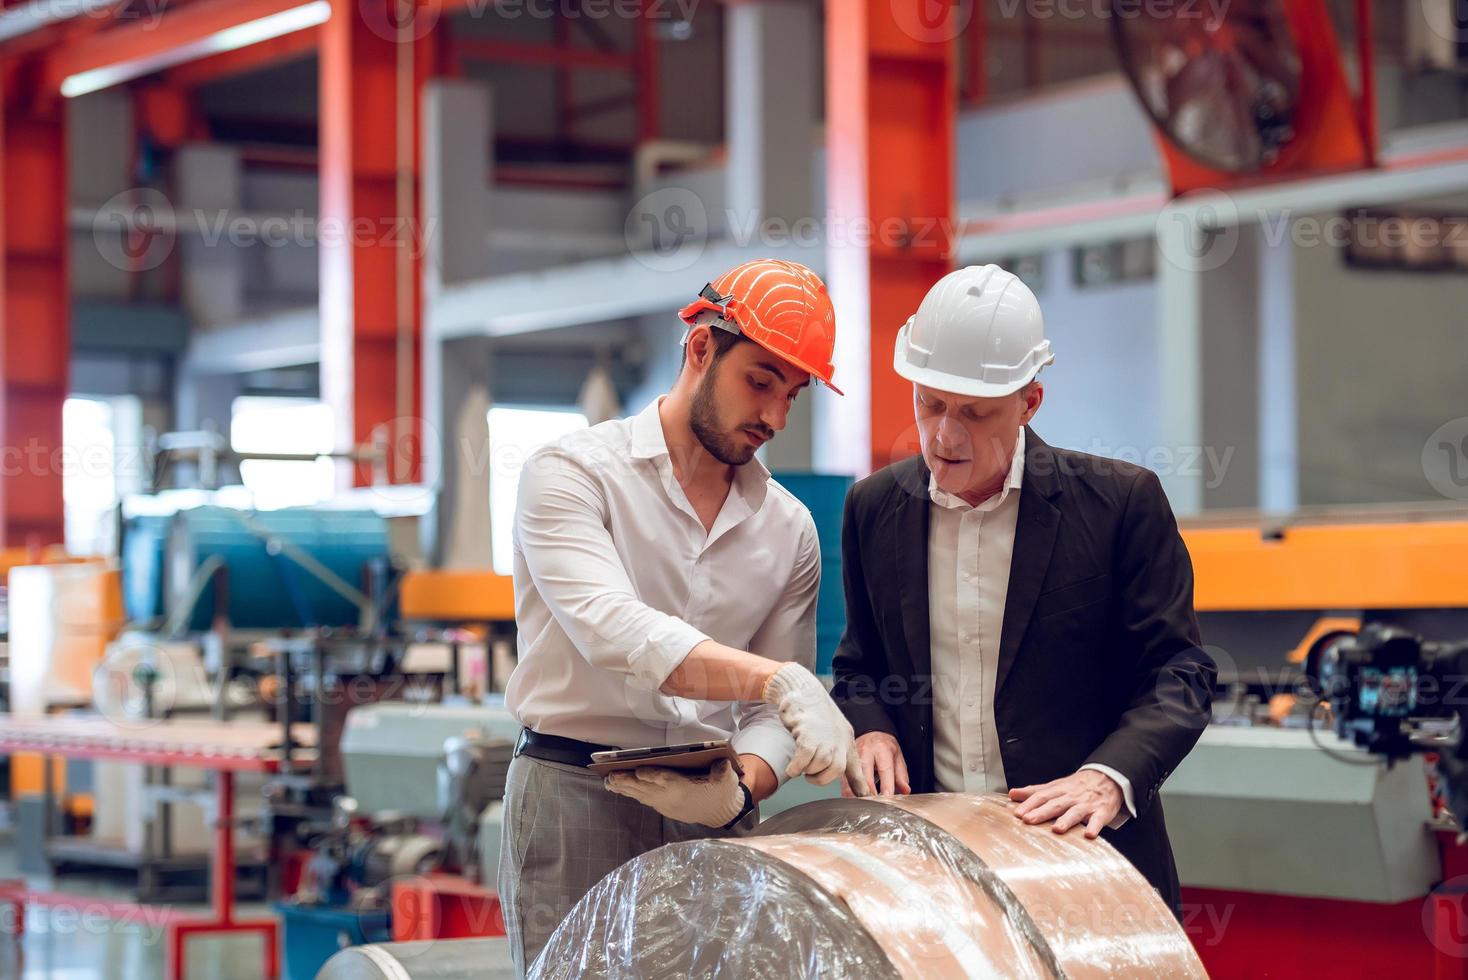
(968,576)
(973,767)
(970,702)
(968,637)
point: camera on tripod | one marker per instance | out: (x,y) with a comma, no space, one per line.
(1395,694)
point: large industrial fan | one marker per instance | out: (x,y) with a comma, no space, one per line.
(1249,91)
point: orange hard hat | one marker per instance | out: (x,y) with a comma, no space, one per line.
(780,305)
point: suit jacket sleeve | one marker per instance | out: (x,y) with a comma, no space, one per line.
(859,661)
(1170,693)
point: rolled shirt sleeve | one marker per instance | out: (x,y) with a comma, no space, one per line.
(788,634)
(561,531)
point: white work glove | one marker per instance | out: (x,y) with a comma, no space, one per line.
(712,799)
(825,745)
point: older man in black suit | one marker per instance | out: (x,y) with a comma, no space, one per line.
(1019,618)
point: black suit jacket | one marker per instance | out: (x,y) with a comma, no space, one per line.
(1099,657)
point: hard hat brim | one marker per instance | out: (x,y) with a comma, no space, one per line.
(796,362)
(958,385)
(690,312)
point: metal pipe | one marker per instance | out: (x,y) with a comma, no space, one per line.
(180,614)
(462,959)
(361,454)
(402,425)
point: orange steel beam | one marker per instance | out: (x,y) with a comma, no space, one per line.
(447,595)
(890,110)
(1407,565)
(363,375)
(276,51)
(141,47)
(35,315)
(168,114)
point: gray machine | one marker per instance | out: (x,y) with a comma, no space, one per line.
(1290,812)
(439,763)
(391,751)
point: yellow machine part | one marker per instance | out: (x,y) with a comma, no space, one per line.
(468,596)
(1403,565)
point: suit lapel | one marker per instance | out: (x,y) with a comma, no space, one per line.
(910,524)
(1036,527)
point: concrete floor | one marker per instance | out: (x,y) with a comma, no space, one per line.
(60,944)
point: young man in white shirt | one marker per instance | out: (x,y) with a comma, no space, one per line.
(665,593)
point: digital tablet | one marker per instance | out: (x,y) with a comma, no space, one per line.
(690,757)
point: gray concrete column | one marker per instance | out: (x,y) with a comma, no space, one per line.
(1279,417)
(455,234)
(1179,308)
(457,167)
(1217,386)
(1226,459)
(772,77)
(203,401)
(461,535)
(207,186)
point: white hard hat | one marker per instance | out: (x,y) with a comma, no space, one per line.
(978,332)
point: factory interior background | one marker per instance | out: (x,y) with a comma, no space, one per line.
(290,289)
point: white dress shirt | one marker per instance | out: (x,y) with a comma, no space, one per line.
(616,580)
(970,550)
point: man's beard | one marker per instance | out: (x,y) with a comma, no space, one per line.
(726,447)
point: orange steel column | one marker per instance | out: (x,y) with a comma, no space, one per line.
(35,312)
(891,97)
(370,236)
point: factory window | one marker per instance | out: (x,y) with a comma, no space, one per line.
(260,424)
(89,475)
(515,433)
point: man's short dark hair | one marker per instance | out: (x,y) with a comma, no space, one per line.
(724,342)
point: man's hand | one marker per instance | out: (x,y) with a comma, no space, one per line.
(825,745)
(882,764)
(712,799)
(1088,797)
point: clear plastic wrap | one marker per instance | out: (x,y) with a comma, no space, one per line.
(713,910)
(935,886)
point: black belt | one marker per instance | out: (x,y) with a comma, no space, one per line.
(554,748)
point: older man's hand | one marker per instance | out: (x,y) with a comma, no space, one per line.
(1087,797)
(883,765)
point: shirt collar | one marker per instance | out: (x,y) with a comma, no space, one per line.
(647,432)
(1011,482)
(648,442)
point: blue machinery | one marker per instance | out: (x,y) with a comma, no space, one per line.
(282,569)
